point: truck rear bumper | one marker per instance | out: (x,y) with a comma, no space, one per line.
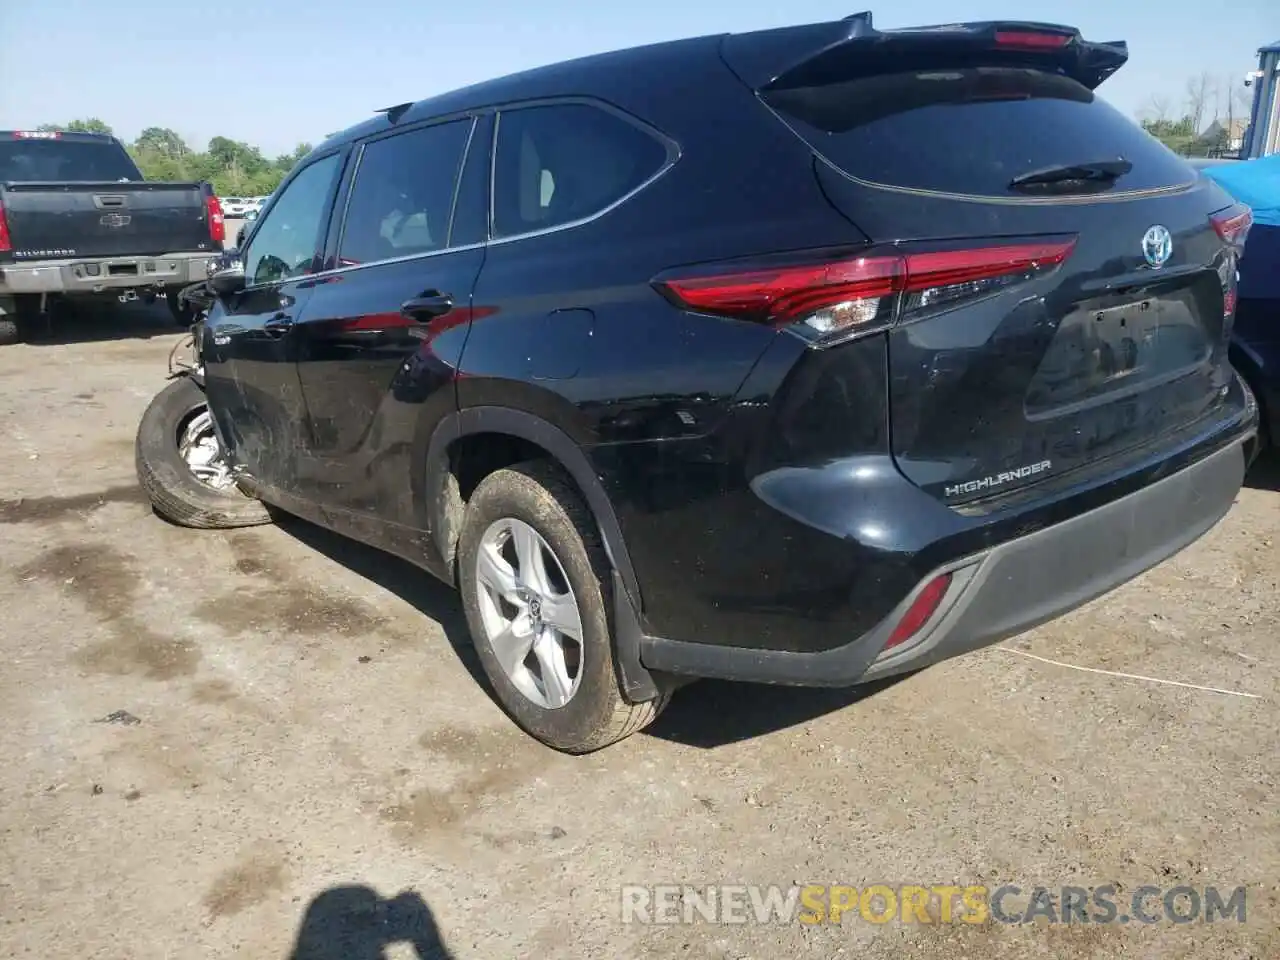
(89,275)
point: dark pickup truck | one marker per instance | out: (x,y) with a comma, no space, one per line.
(78,219)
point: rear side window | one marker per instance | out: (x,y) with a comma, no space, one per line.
(402,198)
(970,130)
(561,163)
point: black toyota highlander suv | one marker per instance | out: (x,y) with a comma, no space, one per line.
(802,356)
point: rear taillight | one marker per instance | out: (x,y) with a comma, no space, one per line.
(849,296)
(1032,39)
(6,243)
(1233,224)
(922,608)
(217,224)
(1232,227)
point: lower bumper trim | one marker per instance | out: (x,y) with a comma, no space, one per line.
(1003,591)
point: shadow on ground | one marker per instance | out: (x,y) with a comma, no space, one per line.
(1265,473)
(354,923)
(715,713)
(416,587)
(704,714)
(95,321)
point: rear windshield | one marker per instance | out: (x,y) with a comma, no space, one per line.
(971,130)
(26,160)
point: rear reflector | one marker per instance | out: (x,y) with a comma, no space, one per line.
(217,224)
(6,242)
(851,296)
(1233,224)
(1031,39)
(918,614)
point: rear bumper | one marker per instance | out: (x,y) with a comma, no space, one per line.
(1003,590)
(89,275)
(1029,581)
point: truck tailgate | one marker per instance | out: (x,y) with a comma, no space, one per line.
(78,219)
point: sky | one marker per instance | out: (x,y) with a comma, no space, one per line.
(278,73)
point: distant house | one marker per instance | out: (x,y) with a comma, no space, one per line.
(1224,139)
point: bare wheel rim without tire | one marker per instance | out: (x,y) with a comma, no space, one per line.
(530,615)
(200,450)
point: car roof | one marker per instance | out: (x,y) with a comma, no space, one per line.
(608,75)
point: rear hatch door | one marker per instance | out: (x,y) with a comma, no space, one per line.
(952,146)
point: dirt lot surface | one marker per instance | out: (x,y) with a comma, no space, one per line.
(272,744)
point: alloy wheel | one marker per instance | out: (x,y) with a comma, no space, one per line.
(531,617)
(200,450)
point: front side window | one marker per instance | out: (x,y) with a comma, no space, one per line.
(561,163)
(402,198)
(285,242)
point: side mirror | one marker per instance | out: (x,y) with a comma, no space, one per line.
(240,237)
(226,274)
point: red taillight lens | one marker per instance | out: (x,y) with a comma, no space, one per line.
(6,244)
(853,295)
(918,614)
(1233,224)
(1031,39)
(788,293)
(944,278)
(217,224)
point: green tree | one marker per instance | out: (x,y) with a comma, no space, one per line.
(88,125)
(163,141)
(248,159)
(287,161)
(1178,135)
(232,166)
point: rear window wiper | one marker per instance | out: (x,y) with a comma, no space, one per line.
(1095,172)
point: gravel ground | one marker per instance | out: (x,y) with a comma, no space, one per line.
(271,743)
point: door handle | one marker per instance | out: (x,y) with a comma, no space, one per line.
(427,306)
(278,325)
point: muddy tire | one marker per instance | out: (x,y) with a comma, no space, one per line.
(174,489)
(538,497)
(15,319)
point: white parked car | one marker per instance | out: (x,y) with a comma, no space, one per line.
(233,206)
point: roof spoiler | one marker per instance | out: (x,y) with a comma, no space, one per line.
(820,53)
(395,113)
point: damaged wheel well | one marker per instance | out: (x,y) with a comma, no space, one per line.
(475,456)
(476,441)
(470,459)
